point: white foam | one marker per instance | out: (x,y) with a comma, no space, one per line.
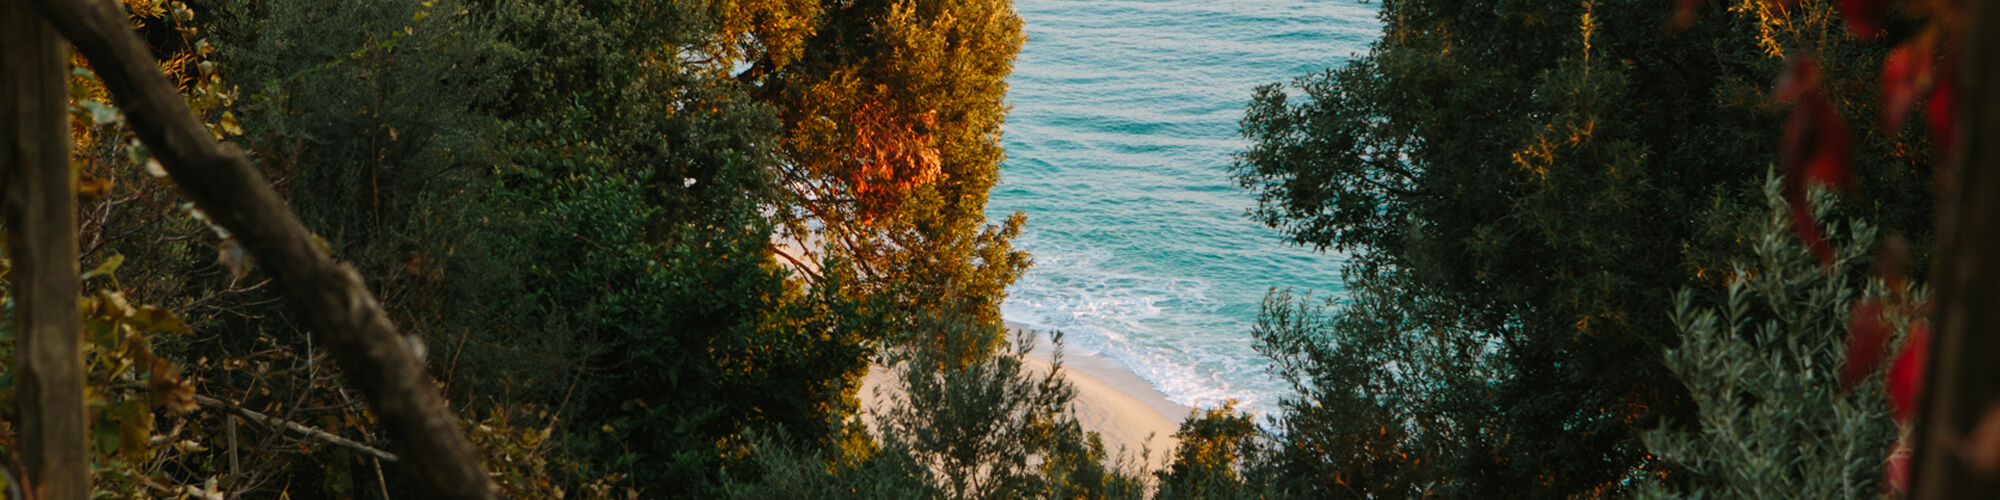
(1157,327)
(1125,118)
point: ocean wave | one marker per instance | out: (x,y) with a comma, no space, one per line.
(1167,330)
(1124,122)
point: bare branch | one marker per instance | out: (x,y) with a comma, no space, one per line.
(293,427)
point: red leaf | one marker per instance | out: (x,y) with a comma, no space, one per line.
(1814,149)
(1828,163)
(1863,16)
(1815,142)
(1939,111)
(1801,76)
(1896,469)
(1907,372)
(1905,73)
(1866,337)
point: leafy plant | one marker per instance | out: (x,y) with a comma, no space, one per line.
(1215,444)
(1530,201)
(129,392)
(1762,363)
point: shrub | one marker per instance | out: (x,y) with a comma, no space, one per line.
(1761,364)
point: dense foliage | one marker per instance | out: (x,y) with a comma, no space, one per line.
(1519,188)
(572,208)
(650,247)
(1761,362)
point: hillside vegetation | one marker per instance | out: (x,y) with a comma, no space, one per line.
(649,248)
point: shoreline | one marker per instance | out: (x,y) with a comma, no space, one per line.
(1122,408)
(1108,371)
(1135,420)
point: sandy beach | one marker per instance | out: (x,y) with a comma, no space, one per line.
(1132,417)
(1124,409)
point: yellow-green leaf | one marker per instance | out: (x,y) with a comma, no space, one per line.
(105,268)
(135,428)
(157,319)
(229,124)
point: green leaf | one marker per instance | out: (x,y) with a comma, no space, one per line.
(135,428)
(157,319)
(105,268)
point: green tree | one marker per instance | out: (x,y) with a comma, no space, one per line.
(1215,444)
(1761,364)
(1529,181)
(620,185)
(691,344)
(1380,397)
(634,196)
(991,428)
(569,204)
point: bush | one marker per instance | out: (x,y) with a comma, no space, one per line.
(1762,364)
(979,429)
(1214,444)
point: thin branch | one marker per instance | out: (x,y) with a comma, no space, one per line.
(235,464)
(293,427)
(801,266)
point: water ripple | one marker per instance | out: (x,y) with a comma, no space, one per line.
(1124,120)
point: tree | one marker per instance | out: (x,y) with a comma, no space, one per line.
(1761,365)
(1215,443)
(1537,183)
(892,120)
(601,155)
(1383,401)
(991,428)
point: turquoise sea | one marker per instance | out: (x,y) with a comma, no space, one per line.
(1124,121)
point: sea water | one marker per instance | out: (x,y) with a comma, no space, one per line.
(1124,122)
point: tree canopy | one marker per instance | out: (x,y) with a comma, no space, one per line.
(572,209)
(651,247)
(1520,187)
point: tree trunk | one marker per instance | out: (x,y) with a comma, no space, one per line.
(1964,373)
(40,193)
(329,296)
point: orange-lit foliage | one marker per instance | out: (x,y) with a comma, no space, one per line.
(893,152)
(892,118)
(765,32)
(97,127)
